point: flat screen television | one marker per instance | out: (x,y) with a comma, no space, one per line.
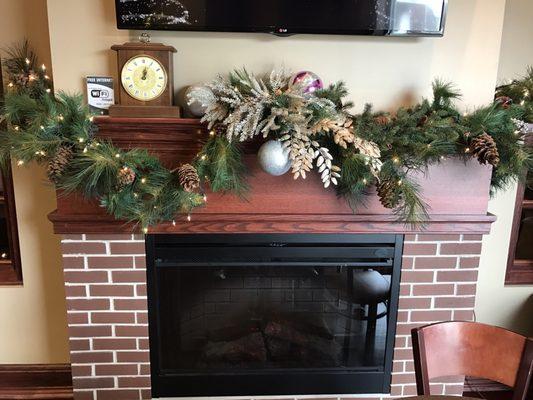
(286,17)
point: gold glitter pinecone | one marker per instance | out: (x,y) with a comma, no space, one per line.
(382,120)
(388,194)
(58,164)
(125,177)
(188,177)
(485,149)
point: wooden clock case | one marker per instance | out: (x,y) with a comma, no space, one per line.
(161,106)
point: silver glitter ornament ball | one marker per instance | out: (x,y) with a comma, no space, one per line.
(273,158)
(197,98)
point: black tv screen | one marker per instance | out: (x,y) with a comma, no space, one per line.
(284,17)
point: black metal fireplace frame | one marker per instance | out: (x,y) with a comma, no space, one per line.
(284,382)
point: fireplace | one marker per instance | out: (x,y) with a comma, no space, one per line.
(237,315)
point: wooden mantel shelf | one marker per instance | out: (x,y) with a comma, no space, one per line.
(457,193)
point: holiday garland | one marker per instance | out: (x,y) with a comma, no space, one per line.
(351,152)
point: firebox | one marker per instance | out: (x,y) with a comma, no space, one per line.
(272,314)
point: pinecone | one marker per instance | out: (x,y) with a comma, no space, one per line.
(188,177)
(220,129)
(422,121)
(58,164)
(382,120)
(125,177)
(388,194)
(485,149)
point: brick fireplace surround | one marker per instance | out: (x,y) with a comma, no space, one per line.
(105,285)
(105,266)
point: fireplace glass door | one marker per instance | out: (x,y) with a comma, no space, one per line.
(232,314)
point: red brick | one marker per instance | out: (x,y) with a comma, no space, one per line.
(92,383)
(469,262)
(439,238)
(418,249)
(409,366)
(142,318)
(407,262)
(115,369)
(403,316)
(146,394)
(403,354)
(129,276)
(102,237)
(73,262)
(400,342)
(85,276)
(72,237)
(143,344)
(463,315)
(395,390)
(77,318)
(133,356)
(116,394)
(81,370)
(407,303)
(131,331)
(84,395)
(79,344)
(144,369)
(466,289)
(75,291)
(405,329)
(409,238)
(115,344)
(91,357)
(83,248)
(89,331)
(433,289)
(455,302)
(109,262)
(405,289)
(475,238)
(401,379)
(113,318)
(140,262)
(128,248)
(140,290)
(409,390)
(456,276)
(111,290)
(130,304)
(435,262)
(88,304)
(417,276)
(431,316)
(398,366)
(134,382)
(460,248)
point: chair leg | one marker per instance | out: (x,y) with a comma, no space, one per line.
(371,331)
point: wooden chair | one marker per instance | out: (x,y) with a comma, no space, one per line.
(472,349)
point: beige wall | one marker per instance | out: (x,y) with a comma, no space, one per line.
(32,317)
(509,306)
(385,71)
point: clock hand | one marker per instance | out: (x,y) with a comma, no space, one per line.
(145,72)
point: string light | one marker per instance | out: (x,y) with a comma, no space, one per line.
(400,182)
(189,217)
(365,181)
(203,158)
(212,133)
(91,118)
(27,61)
(20,162)
(173,222)
(17,128)
(40,153)
(43,67)
(442,157)
(85,149)
(4,255)
(467,150)
(61,118)
(81,140)
(48,90)
(42,127)
(31,77)
(205,198)
(46,77)
(135,195)
(117,155)
(10,84)
(145,230)
(395,160)
(143,180)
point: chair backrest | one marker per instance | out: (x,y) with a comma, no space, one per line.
(472,349)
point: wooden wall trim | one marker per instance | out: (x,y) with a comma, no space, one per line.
(35,381)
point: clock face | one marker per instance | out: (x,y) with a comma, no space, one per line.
(144,78)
